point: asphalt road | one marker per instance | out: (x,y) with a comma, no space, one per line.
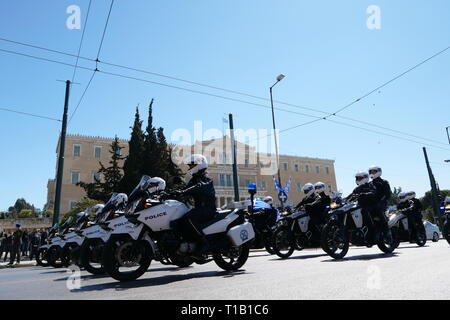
(409,273)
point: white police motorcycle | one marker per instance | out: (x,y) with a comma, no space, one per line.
(348,224)
(398,222)
(41,256)
(99,232)
(150,235)
(56,244)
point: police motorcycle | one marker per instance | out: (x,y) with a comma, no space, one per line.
(149,235)
(398,221)
(57,243)
(263,218)
(41,257)
(445,208)
(70,253)
(348,224)
(295,232)
(97,233)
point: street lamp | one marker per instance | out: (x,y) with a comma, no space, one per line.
(279,78)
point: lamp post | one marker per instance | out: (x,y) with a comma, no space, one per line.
(279,78)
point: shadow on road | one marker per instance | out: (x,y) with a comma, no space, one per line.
(308,256)
(157,281)
(364,257)
(412,246)
(55,271)
(105,275)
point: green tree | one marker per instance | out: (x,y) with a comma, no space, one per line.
(427,203)
(151,165)
(81,205)
(48,213)
(26,213)
(132,168)
(393,201)
(102,189)
(169,171)
(22,204)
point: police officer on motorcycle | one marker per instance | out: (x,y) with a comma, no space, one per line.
(383,194)
(412,208)
(201,189)
(365,194)
(323,202)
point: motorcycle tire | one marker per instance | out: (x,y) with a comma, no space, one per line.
(446,232)
(329,233)
(53,255)
(112,266)
(387,248)
(41,258)
(85,257)
(421,236)
(233,264)
(282,238)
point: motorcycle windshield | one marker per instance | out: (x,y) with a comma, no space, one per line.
(142,185)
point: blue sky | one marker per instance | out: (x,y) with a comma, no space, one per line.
(324,48)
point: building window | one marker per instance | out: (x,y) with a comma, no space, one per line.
(96,176)
(76,150)
(97,152)
(327,170)
(329,188)
(75,177)
(299,186)
(246,163)
(222,179)
(285,166)
(72,204)
(229,184)
(317,169)
(247,182)
(296,167)
(306,167)
(263,185)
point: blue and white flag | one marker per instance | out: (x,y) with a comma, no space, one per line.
(282,192)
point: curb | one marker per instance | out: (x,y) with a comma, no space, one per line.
(18,266)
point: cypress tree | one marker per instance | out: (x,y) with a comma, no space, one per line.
(132,168)
(151,159)
(112,175)
(169,171)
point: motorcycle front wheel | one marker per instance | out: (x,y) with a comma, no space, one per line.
(125,259)
(41,257)
(90,256)
(334,239)
(446,232)
(54,257)
(233,258)
(283,244)
(384,244)
(421,236)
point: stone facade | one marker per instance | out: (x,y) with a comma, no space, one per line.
(27,223)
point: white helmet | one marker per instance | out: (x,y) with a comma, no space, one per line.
(410,195)
(120,200)
(319,187)
(402,197)
(196,163)
(375,172)
(308,189)
(97,209)
(361,178)
(268,200)
(156,184)
(447,200)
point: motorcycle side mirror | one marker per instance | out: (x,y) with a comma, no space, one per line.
(251,189)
